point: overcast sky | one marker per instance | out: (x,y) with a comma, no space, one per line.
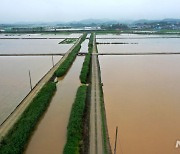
(72,10)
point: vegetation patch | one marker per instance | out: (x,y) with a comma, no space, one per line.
(17,138)
(90,45)
(85,69)
(75,126)
(69,41)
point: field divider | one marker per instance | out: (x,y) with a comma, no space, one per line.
(85,71)
(74,141)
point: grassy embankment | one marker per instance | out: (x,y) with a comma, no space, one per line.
(86,64)
(64,67)
(103,116)
(68,41)
(17,138)
(75,126)
(107,148)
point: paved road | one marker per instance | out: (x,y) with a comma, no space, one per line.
(10,121)
(96,138)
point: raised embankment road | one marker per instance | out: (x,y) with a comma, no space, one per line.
(96,136)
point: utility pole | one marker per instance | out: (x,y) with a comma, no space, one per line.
(52,60)
(115,140)
(30,79)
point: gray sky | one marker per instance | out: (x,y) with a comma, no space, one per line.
(71,10)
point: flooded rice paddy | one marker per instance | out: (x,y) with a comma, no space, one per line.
(32,46)
(14,79)
(84,46)
(141,96)
(137,45)
(50,134)
(42,35)
(141,93)
(133,36)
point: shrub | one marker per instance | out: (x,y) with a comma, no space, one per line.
(75,126)
(85,69)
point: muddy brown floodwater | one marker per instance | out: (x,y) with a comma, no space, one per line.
(35,46)
(142,98)
(14,79)
(50,134)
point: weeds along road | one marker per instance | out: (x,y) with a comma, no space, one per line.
(96,137)
(13,117)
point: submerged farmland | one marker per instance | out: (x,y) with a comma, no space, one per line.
(80,98)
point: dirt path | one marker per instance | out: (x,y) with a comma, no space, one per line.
(13,117)
(96,138)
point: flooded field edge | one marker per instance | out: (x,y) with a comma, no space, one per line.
(138,98)
(107,146)
(34,83)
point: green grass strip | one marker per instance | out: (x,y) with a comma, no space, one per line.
(64,67)
(75,126)
(85,69)
(15,141)
(90,45)
(103,119)
(86,64)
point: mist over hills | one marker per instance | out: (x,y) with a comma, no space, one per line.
(90,22)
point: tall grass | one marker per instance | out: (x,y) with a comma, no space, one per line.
(85,69)
(16,139)
(75,126)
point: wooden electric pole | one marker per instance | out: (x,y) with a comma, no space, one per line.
(30,79)
(52,60)
(115,140)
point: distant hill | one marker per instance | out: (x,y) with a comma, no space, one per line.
(152,21)
(91,22)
